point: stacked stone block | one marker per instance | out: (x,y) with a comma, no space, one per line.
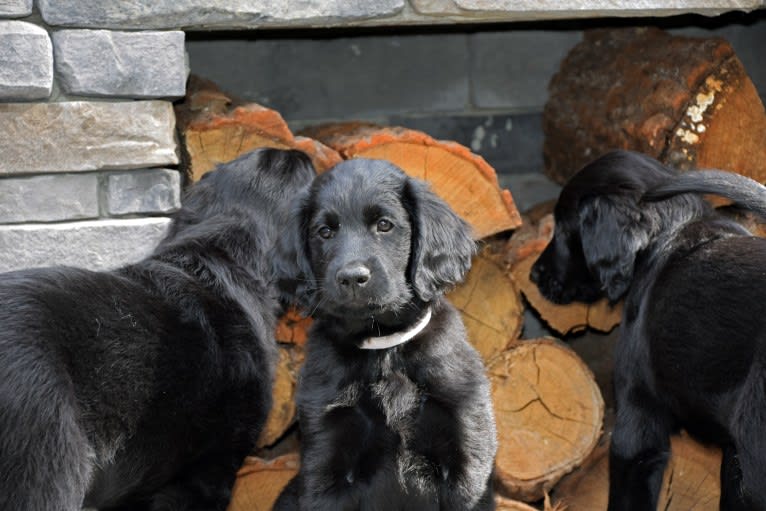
(87,142)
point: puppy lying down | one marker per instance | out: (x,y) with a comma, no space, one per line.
(143,388)
(393,404)
(692,348)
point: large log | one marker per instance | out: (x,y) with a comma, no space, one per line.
(686,101)
(259,482)
(216,128)
(291,333)
(549,414)
(524,247)
(463,179)
(490,306)
(691,480)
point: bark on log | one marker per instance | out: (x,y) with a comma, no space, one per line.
(549,414)
(216,128)
(464,180)
(686,101)
(259,482)
(490,306)
(524,247)
(691,480)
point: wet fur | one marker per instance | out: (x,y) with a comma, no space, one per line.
(143,388)
(692,348)
(409,427)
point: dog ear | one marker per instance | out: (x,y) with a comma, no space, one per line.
(442,246)
(290,262)
(612,231)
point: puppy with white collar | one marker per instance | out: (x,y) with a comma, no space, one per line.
(393,403)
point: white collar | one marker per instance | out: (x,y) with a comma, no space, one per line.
(395,339)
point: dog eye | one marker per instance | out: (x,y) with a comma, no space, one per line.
(325,232)
(384,225)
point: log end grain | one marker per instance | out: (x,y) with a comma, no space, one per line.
(549,414)
(259,482)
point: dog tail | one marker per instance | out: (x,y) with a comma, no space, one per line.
(743,191)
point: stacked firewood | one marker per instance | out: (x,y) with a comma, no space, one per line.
(549,409)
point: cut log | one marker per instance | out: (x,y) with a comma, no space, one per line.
(216,128)
(293,328)
(686,101)
(259,482)
(291,336)
(691,480)
(490,306)
(463,179)
(524,247)
(549,414)
(505,504)
(283,410)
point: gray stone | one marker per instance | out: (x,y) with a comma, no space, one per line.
(143,191)
(342,78)
(149,14)
(529,189)
(49,198)
(26,61)
(15,8)
(512,69)
(599,8)
(92,244)
(128,64)
(81,135)
(436,7)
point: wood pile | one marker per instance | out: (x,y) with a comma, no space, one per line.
(553,435)
(686,101)
(691,480)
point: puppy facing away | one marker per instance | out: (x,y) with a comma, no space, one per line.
(692,349)
(143,388)
(393,404)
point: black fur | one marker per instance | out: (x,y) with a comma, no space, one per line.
(143,388)
(692,349)
(410,427)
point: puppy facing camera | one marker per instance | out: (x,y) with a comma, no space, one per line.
(393,405)
(692,348)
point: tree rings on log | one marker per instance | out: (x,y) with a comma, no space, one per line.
(549,414)
(463,179)
(686,101)
(217,129)
(490,306)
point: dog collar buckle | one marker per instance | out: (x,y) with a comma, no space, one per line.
(389,341)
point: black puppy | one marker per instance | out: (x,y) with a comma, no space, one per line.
(692,349)
(145,387)
(394,407)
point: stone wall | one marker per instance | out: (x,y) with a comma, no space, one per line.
(87,141)
(88,152)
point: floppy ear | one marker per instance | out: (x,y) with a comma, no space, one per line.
(442,246)
(612,231)
(290,263)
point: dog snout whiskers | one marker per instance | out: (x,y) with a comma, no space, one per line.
(353,277)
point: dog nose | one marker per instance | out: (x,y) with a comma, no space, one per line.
(353,276)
